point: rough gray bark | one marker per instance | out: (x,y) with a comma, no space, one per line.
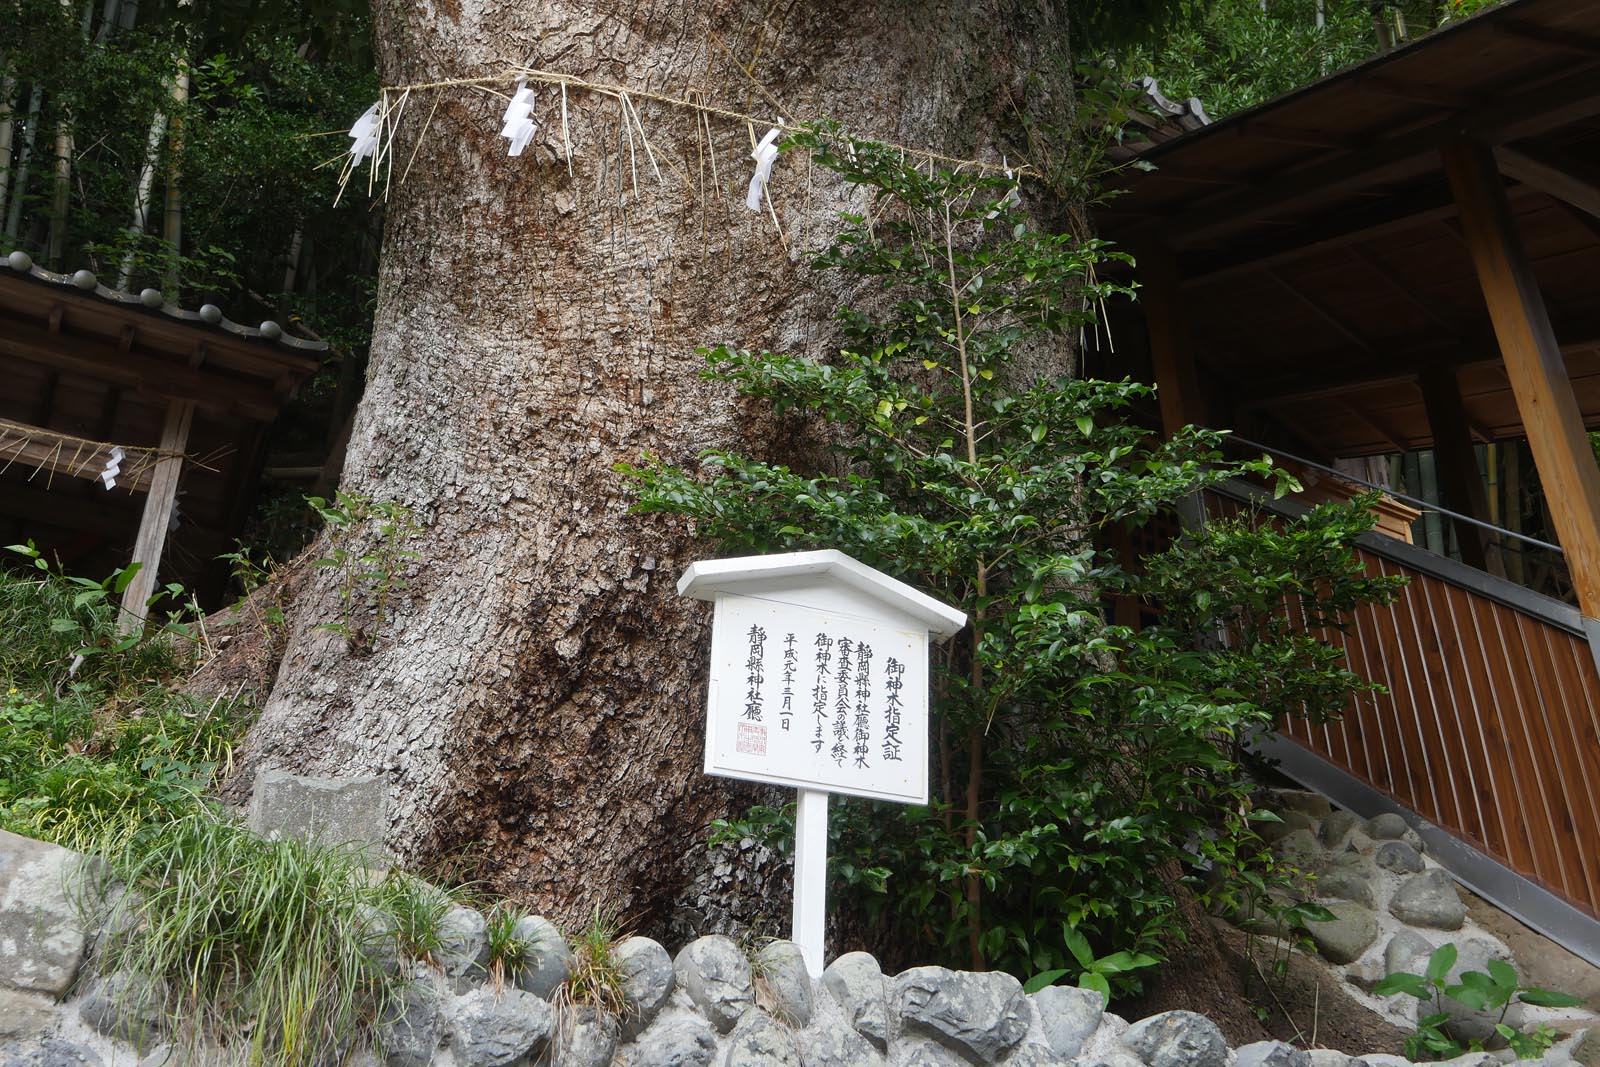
(536,699)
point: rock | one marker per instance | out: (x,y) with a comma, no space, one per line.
(1272,1053)
(24,1014)
(48,1052)
(1327,1057)
(980,1015)
(1358,841)
(717,978)
(761,1041)
(1068,1017)
(1032,1055)
(1384,1059)
(1399,857)
(1414,839)
(1429,899)
(1105,1044)
(1407,951)
(585,1038)
(547,960)
(1177,1039)
(1119,1057)
(674,1039)
(1365,976)
(1348,876)
(917,1051)
(1585,1048)
(783,985)
(41,924)
(1273,832)
(412,1030)
(1344,939)
(857,984)
(1299,849)
(126,1007)
(833,1042)
(380,937)
(495,1029)
(1305,801)
(463,952)
(352,813)
(647,981)
(1386,827)
(1336,828)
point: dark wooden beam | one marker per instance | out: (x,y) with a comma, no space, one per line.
(1171,345)
(1321,311)
(1533,361)
(142,373)
(1566,179)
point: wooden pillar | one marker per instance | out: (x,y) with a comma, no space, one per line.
(1171,348)
(1460,483)
(1533,362)
(158,505)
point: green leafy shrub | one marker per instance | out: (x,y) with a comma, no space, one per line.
(1080,769)
(1495,989)
(367,555)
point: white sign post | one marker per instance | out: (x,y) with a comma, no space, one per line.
(819,682)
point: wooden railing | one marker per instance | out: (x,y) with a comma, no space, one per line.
(1490,728)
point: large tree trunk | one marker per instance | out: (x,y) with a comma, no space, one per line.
(536,697)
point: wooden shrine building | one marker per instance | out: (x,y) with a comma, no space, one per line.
(180,400)
(1406,255)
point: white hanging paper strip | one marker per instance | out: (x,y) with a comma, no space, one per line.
(765,154)
(519,122)
(113,468)
(364,135)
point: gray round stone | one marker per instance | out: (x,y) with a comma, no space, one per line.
(547,959)
(271,330)
(210,313)
(585,1038)
(490,1028)
(647,981)
(1305,800)
(856,982)
(1271,1053)
(151,298)
(1291,821)
(1032,1055)
(126,1007)
(1348,876)
(1407,951)
(412,1029)
(674,1039)
(979,1015)
(761,1041)
(463,952)
(1299,849)
(1386,827)
(1467,1026)
(1343,940)
(1399,857)
(1068,1016)
(1336,827)
(717,978)
(85,279)
(1177,1039)
(1429,899)
(20,261)
(48,1052)
(783,985)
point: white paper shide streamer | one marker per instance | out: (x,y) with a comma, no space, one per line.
(519,121)
(765,154)
(364,135)
(113,468)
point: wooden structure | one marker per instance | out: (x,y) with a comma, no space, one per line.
(1405,255)
(186,395)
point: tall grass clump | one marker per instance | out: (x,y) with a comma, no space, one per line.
(265,947)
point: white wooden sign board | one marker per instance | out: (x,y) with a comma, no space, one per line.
(819,682)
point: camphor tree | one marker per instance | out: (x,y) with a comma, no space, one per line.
(535,696)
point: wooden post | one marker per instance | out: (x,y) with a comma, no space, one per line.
(1171,349)
(1460,484)
(1533,362)
(810,877)
(158,504)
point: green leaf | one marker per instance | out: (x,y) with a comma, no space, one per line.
(1439,964)
(1545,998)
(1504,976)
(1078,945)
(1042,979)
(1085,425)
(1403,982)
(1096,982)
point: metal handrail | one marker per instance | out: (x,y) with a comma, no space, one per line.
(1422,505)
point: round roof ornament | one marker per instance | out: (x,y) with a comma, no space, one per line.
(211,313)
(271,330)
(20,261)
(151,298)
(85,279)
